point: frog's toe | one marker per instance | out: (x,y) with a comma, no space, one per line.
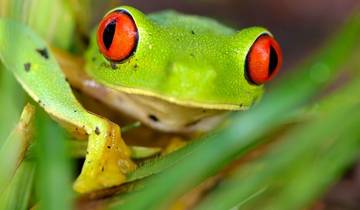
(107,161)
(97,176)
(104,177)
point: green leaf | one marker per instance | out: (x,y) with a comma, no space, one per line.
(307,160)
(54,174)
(10,106)
(18,193)
(15,146)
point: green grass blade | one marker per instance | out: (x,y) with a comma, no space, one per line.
(53,20)
(17,194)
(245,128)
(78,149)
(10,106)
(316,178)
(14,148)
(157,165)
(54,176)
(298,163)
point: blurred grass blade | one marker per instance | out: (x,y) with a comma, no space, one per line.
(56,24)
(143,152)
(329,161)
(131,126)
(78,149)
(17,194)
(54,174)
(315,178)
(245,128)
(10,106)
(160,164)
(306,161)
(13,150)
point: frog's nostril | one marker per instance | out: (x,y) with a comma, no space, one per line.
(117,36)
(263,61)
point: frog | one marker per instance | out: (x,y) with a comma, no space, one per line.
(173,72)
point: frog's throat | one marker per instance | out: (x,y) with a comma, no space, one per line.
(193,104)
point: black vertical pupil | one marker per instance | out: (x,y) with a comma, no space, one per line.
(273,61)
(108,34)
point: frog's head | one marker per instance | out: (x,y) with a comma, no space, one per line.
(183,60)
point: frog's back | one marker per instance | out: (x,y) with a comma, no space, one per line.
(171,18)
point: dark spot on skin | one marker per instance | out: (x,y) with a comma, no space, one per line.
(43,52)
(66,79)
(113,65)
(39,101)
(75,111)
(97,131)
(93,59)
(27,67)
(109,147)
(136,66)
(153,118)
(177,39)
(102,169)
(204,110)
(192,55)
(192,32)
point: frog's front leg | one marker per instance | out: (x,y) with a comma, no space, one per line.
(29,58)
(107,159)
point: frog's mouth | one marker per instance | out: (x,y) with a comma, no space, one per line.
(185,103)
(167,116)
(171,115)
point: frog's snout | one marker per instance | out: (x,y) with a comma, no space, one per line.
(264,60)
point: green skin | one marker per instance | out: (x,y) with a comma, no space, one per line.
(185,60)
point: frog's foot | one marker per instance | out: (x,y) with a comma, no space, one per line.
(174,144)
(107,160)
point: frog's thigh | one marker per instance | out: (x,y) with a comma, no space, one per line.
(29,58)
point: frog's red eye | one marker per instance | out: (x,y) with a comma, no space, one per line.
(117,36)
(263,61)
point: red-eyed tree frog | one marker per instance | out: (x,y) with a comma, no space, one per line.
(173,72)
